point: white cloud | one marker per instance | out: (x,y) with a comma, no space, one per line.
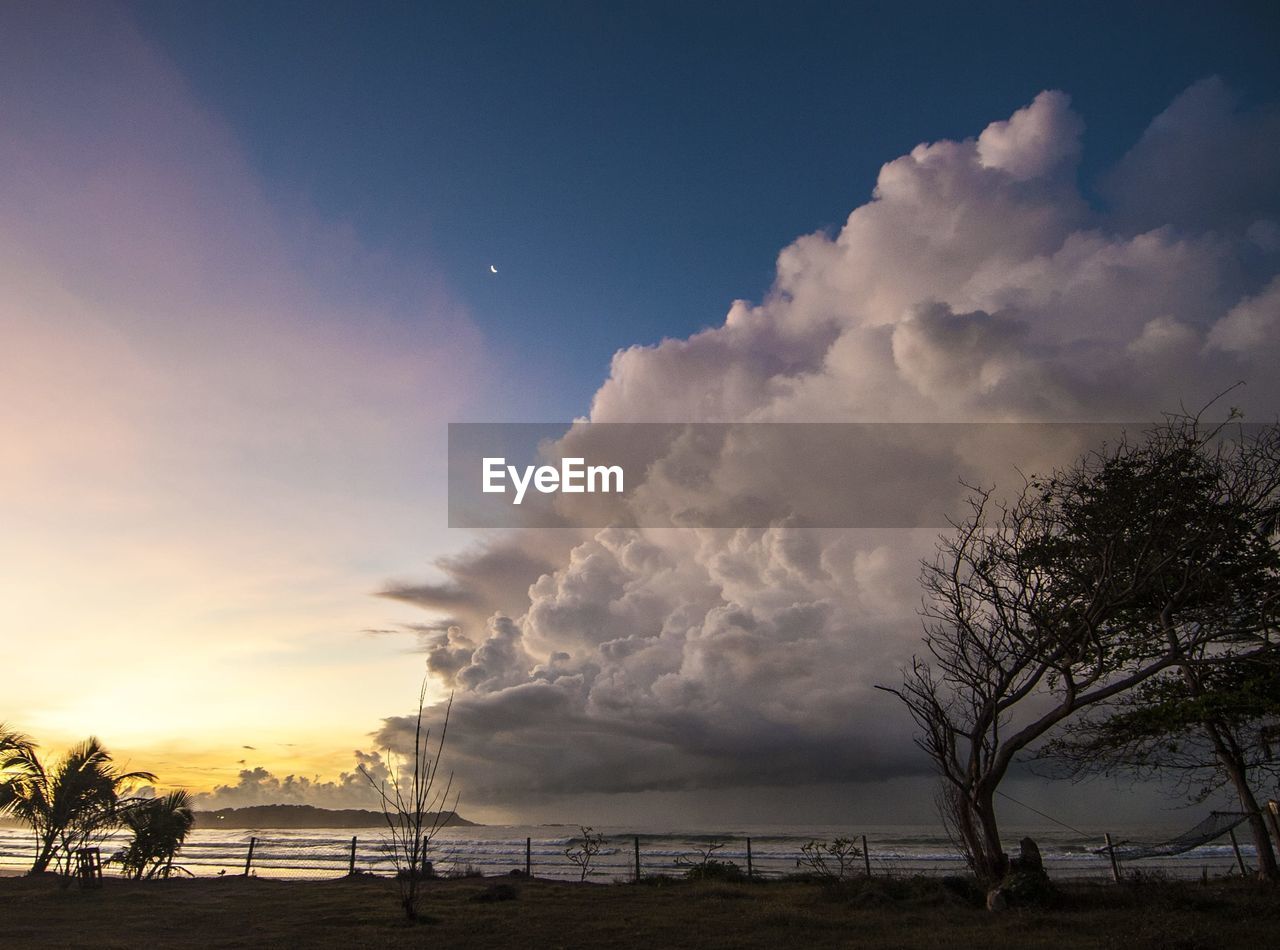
(260,786)
(1251,328)
(977,284)
(1035,141)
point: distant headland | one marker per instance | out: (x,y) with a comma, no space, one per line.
(304,816)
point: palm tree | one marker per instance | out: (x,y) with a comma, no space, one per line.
(159,827)
(10,741)
(66,803)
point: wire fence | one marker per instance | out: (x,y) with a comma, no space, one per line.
(303,856)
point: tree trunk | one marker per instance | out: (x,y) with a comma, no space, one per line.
(962,812)
(43,857)
(1233,764)
(1227,750)
(995,863)
(976,821)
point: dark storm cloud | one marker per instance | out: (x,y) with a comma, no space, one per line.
(495,577)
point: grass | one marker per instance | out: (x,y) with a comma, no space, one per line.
(362,911)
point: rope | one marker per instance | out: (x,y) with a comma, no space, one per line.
(1083,834)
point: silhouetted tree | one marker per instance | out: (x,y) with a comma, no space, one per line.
(1090,582)
(832,860)
(159,827)
(413,802)
(11,741)
(583,850)
(68,803)
(1209,723)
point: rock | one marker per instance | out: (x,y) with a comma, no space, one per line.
(1027,882)
(1029,856)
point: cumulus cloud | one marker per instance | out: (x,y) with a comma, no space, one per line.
(978,283)
(1034,141)
(945,354)
(1202,164)
(259,786)
(493,577)
(1251,329)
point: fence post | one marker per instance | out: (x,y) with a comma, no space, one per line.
(1235,846)
(528,857)
(751,872)
(425,863)
(866,856)
(1111,853)
(351,867)
(637,844)
(248,860)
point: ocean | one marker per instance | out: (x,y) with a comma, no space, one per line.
(319,853)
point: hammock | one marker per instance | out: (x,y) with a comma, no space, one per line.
(1215,826)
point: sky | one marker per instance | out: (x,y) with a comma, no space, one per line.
(245,284)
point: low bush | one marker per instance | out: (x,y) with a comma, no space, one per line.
(714,870)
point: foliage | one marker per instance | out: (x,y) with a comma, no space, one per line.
(1208,723)
(413,801)
(67,804)
(583,850)
(1209,719)
(703,865)
(159,827)
(700,856)
(11,741)
(1091,582)
(831,861)
(1163,726)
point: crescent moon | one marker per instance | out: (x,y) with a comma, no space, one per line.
(493,269)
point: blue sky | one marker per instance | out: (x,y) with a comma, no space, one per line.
(245,286)
(633,169)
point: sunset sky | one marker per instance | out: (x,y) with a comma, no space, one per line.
(245,284)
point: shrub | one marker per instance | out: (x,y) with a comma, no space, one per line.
(714,870)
